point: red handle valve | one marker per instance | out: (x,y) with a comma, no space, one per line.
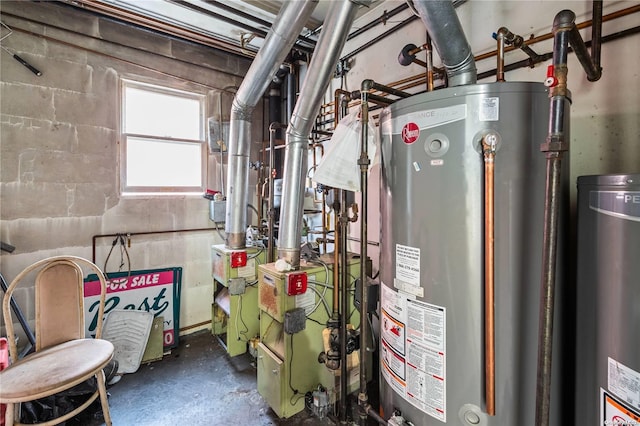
(551,80)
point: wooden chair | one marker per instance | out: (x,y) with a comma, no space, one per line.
(63,357)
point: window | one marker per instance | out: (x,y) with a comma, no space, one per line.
(163,150)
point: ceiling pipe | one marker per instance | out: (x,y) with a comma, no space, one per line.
(443,25)
(287,25)
(332,38)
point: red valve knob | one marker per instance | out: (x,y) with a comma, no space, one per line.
(551,80)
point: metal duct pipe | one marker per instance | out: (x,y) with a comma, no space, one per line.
(334,33)
(443,25)
(281,36)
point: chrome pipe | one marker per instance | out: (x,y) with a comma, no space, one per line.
(334,33)
(285,30)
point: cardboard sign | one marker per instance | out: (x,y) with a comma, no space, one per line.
(155,290)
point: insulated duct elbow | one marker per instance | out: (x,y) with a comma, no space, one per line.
(445,30)
(287,26)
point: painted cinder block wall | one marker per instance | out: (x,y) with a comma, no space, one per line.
(60,152)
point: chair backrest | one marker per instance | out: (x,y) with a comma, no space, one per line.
(59,304)
(59,301)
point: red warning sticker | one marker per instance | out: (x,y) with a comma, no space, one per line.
(410,133)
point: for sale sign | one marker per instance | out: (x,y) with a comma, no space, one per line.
(156,291)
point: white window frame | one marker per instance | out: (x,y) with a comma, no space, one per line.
(125,188)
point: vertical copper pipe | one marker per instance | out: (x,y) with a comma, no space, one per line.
(489,143)
(429,49)
(339,111)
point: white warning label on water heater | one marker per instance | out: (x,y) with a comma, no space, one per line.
(616,413)
(412,351)
(408,264)
(489,109)
(624,383)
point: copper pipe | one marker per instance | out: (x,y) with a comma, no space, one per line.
(419,79)
(429,50)
(613,15)
(489,143)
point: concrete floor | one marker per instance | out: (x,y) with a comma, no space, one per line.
(197,384)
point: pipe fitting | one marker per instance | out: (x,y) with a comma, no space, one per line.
(564,21)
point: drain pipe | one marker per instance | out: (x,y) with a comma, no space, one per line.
(565,32)
(285,30)
(334,33)
(364,162)
(443,25)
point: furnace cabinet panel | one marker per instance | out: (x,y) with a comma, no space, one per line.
(235,313)
(289,362)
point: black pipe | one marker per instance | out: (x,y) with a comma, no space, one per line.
(553,148)
(381,20)
(223,18)
(546,56)
(250,17)
(131,234)
(363,162)
(596,33)
(291,86)
(379,38)
(271,213)
(566,20)
(344,303)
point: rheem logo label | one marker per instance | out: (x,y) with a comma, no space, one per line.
(410,133)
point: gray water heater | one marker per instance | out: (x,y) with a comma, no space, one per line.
(432,356)
(608,301)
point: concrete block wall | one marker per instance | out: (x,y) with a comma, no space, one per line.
(59,142)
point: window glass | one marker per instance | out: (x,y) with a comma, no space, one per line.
(162,148)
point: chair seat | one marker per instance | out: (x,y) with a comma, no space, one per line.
(54,369)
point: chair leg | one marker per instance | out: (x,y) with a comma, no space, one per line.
(102,389)
(9,414)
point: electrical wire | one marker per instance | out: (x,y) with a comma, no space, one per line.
(220,234)
(325,285)
(124,252)
(239,315)
(295,391)
(322,300)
